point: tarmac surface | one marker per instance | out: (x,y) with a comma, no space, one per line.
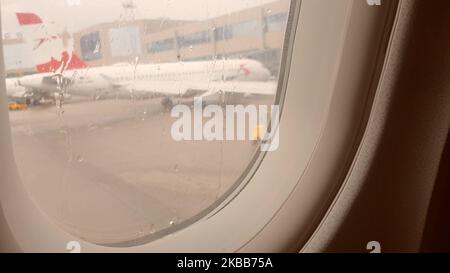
(109,171)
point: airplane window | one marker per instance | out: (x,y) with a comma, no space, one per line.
(136,121)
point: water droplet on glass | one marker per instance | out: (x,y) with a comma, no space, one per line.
(141,233)
(173,222)
(152,229)
(92,127)
(163,22)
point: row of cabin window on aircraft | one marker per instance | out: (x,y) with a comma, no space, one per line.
(160,76)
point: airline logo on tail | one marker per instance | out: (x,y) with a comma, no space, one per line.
(55,64)
(247,72)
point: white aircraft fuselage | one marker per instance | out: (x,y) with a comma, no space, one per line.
(147,77)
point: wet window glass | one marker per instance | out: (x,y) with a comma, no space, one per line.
(125,41)
(223,33)
(246,29)
(131,118)
(276,22)
(90,46)
(160,46)
(193,39)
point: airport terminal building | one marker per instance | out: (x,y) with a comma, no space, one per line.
(255,33)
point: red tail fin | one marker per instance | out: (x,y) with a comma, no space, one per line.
(76,63)
(28,19)
(66,63)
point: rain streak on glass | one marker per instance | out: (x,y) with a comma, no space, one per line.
(90,105)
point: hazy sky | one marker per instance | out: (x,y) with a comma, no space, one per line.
(68,14)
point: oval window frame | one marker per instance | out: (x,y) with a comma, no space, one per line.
(272,180)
